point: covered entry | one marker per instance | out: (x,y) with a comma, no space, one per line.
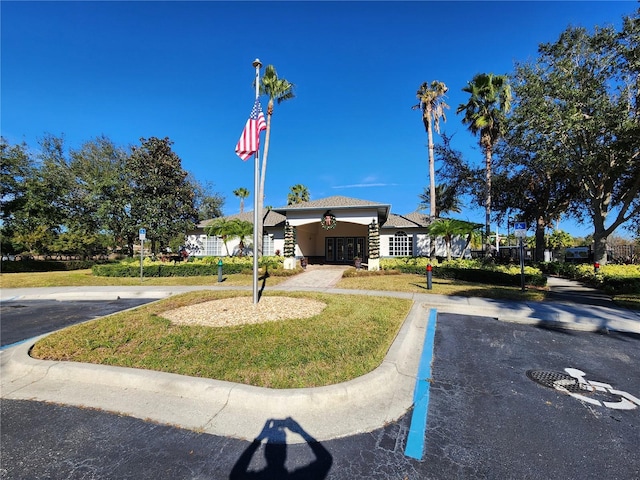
(345,249)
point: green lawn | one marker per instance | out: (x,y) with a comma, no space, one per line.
(82,278)
(348,339)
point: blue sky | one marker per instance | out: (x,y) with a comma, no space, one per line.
(183,70)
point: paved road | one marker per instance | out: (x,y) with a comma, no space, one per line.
(27,319)
(486,419)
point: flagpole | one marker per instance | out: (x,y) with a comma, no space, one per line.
(256,185)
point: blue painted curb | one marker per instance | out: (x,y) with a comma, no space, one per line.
(416,437)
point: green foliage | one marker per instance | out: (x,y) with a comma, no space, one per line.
(447,199)
(374,240)
(208,203)
(289,240)
(15,169)
(467,270)
(45,265)
(298,194)
(206,266)
(432,105)
(164,200)
(345,341)
(448,228)
(612,279)
(230,229)
(559,239)
(241,193)
(55,201)
(280,90)
(576,122)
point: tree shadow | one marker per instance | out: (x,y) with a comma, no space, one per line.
(274,433)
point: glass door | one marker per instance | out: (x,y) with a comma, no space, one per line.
(340,250)
(330,250)
(351,248)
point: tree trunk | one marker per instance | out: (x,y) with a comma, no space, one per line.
(600,235)
(540,243)
(263,174)
(487,201)
(432,182)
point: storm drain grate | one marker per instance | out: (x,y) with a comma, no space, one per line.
(558,379)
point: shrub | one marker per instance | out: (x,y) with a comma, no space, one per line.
(612,279)
(44,265)
(469,270)
(206,266)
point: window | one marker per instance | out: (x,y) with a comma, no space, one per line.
(214,247)
(401,245)
(267,245)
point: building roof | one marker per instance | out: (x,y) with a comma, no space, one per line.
(338,202)
(271,218)
(277,216)
(411,220)
(334,202)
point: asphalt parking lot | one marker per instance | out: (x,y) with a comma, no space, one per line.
(487,418)
(23,319)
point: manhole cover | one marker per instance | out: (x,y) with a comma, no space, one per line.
(558,379)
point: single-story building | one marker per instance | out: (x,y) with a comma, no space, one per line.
(333,230)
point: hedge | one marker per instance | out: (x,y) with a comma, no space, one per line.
(611,278)
(166,270)
(476,275)
(29,266)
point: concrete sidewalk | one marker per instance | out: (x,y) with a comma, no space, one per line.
(235,410)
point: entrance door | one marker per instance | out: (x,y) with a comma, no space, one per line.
(344,249)
(330,249)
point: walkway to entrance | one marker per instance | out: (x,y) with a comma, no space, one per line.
(315,276)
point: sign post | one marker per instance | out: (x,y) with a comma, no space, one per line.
(142,235)
(521,232)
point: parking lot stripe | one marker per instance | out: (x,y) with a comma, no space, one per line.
(417,429)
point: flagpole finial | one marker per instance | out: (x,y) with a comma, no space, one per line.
(257,63)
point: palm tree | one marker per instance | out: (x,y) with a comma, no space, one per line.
(229,229)
(278,89)
(485,114)
(432,106)
(448,228)
(299,193)
(220,227)
(241,193)
(446,200)
(241,229)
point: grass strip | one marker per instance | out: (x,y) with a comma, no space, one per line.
(84,278)
(348,339)
(418,284)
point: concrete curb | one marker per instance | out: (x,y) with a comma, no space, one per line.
(225,408)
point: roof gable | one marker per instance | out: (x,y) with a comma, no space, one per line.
(336,202)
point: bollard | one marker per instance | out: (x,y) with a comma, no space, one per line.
(596,267)
(219,270)
(429,269)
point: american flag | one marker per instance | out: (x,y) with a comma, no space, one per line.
(249,142)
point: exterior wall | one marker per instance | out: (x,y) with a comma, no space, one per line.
(311,237)
(360,216)
(351,222)
(421,243)
(197,240)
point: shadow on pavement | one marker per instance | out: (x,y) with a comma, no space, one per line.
(274,433)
